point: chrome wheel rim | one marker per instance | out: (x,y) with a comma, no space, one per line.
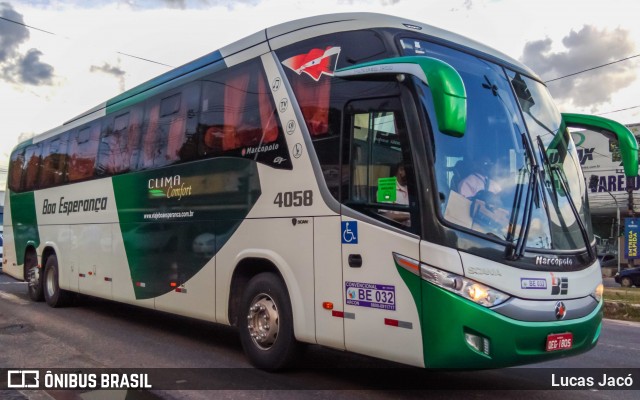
(50,282)
(263,321)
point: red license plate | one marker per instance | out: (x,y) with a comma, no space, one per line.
(559,341)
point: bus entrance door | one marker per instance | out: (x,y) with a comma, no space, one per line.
(377,299)
(377,296)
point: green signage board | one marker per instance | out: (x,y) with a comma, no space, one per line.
(387,190)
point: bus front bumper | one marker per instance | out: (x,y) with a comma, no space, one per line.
(451,325)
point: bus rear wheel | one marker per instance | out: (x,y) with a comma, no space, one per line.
(34,280)
(53,295)
(266,323)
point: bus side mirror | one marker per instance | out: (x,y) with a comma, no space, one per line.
(447,88)
(613,130)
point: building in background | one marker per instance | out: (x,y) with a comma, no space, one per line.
(600,156)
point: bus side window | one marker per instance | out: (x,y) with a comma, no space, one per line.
(237,111)
(169,128)
(323,123)
(173,125)
(83,151)
(32,167)
(119,144)
(150,143)
(249,119)
(53,162)
(313,97)
(211,117)
(15,170)
(380,181)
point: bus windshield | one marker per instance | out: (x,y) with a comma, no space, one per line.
(564,187)
(514,176)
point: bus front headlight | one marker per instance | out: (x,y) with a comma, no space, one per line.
(465,287)
(598,291)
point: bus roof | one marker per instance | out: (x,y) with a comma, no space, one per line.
(282,35)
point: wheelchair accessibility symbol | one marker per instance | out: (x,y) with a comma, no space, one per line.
(349,232)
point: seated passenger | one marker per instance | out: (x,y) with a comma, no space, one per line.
(402,197)
(479,180)
(402,194)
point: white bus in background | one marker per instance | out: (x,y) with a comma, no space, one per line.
(357,181)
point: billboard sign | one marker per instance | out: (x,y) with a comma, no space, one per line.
(631,228)
(598,155)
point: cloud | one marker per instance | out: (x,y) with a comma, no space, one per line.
(15,66)
(587,48)
(11,34)
(108,69)
(34,72)
(180,4)
(25,135)
(383,3)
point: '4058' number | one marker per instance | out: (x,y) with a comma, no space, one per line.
(299,198)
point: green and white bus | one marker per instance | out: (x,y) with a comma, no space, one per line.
(357,181)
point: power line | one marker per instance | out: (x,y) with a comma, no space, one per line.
(591,69)
(144,59)
(622,109)
(54,34)
(28,26)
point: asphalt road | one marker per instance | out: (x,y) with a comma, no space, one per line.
(103,334)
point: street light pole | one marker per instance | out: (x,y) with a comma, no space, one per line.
(618,233)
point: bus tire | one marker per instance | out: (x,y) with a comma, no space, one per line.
(266,323)
(33,277)
(53,295)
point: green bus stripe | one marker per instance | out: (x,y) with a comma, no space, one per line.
(414,284)
(25,223)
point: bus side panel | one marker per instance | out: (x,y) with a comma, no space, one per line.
(286,244)
(94,265)
(171,219)
(25,224)
(328,281)
(75,220)
(378,297)
(56,237)
(194,298)
(9,265)
(122,287)
(9,262)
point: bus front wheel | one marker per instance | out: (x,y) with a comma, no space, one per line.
(53,295)
(266,323)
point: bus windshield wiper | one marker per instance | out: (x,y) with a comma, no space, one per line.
(565,189)
(549,167)
(517,251)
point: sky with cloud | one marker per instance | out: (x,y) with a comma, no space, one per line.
(60,58)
